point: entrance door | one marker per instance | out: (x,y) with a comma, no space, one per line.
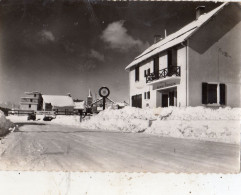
(164,100)
(171,98)
(137,101)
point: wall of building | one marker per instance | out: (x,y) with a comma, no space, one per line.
(182,87)
(214,56)
(140,87)
(26,107)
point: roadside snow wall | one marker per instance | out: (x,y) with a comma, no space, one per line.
(5,124)
(128,119)
(222,124)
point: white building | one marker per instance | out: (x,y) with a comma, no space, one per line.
(31,101)
(200,64)
(58,103)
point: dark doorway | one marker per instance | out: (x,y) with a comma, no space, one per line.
(171,98)
(137,101)
(164,100)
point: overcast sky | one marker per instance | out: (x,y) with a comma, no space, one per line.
(60,47)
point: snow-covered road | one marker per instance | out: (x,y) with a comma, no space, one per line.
(46,146)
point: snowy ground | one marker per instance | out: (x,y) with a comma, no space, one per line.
(219,125)
(50,147)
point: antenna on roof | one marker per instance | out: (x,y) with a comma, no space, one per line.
(157,38)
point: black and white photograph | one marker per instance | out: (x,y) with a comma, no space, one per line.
(120,86)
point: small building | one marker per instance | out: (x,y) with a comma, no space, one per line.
(79,105)
(59,103)
(32,101)
(198,65)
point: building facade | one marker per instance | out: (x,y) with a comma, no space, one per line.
(32,101)
(199,65)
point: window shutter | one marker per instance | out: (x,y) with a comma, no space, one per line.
(145,73)
(144,95)
(204,93)
(222,93)
(148,95)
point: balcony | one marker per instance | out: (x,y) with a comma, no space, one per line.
(166,74)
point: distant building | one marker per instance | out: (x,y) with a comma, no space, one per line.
(59,103)
(89,99)
(32,101)
(198,65)
(79,105)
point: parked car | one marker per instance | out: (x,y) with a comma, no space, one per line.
(48,118)
(31,116)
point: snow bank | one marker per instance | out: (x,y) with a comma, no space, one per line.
(128,119)
(210,130)
(199,113)
(5,124)
(222,124)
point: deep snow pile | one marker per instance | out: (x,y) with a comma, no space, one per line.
(128,119)
(192,122)
(5,124)
(199,113)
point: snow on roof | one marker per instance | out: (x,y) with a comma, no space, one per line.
(175,38)
(59,100)
(79,105)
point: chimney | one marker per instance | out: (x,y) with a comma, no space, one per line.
(199,11)
(69,94)
(157,38)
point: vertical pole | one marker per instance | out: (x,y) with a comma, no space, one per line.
(103,103)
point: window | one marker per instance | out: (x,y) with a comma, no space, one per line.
(213,93)
(31,100)
(34,95)
(145,95)
(156,66)
(29,105)
(137,70)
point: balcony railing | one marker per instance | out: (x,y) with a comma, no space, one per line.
(163,73)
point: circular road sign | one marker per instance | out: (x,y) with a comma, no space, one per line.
(104,92)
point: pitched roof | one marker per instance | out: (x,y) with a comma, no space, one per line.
(177,37)
(59,100)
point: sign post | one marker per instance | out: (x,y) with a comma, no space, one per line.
(104,92)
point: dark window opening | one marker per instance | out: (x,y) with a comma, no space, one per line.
(212,94)
(137,70)
(29,105)
(156,66)
(171,57)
